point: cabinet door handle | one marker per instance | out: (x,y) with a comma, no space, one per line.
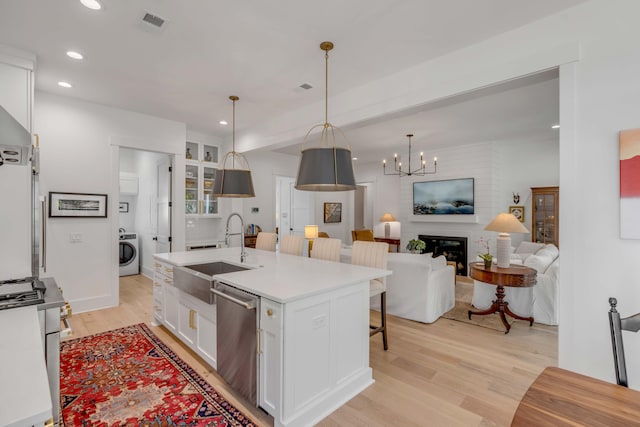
(269,312)
(192,320)
(169,270)
(168,281)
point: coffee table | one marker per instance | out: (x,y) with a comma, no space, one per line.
(516,276)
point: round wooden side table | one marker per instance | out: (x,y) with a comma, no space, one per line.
(516,276)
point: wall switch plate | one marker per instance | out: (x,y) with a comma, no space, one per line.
(75,237)
(319,321)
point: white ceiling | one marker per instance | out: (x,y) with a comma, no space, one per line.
(520,110)
(262,51)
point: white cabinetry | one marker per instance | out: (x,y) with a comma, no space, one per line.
(16,96)
(270,350)
(171,307)
(191,320)
(200,172)
(206,337)
(165,296)
(187,323)
(16,81)
(128,184)
(197,327)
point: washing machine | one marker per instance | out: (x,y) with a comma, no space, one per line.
(128,251)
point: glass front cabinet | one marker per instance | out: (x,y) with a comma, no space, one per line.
(201,165)
(545,219)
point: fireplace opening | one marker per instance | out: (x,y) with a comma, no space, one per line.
(454,249)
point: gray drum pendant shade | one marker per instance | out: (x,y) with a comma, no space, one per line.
(326,168)
(234,181)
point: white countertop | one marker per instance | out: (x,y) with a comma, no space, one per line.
(278,277)
(24,389)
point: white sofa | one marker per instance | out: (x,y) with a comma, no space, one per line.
(539,301)
(421,288)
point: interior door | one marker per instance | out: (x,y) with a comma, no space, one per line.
(301,209)
(358,208)
(294,208)
(163,207)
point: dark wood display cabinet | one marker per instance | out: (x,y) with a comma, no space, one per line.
(545,219)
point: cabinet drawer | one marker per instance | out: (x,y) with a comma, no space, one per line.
(163,269)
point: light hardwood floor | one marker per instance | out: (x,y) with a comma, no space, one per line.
(447,373)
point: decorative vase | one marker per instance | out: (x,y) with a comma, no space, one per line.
(188,154)
(487,263)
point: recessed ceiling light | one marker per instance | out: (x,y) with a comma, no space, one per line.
(74,55)
(555,127)
(64,84)
(354,158)
(223,122)
(91,4)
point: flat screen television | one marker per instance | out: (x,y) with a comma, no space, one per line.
(447,197)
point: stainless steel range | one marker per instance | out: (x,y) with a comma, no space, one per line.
(21,292)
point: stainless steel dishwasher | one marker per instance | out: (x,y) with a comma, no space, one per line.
(237,326)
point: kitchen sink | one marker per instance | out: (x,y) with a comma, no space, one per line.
(197,279)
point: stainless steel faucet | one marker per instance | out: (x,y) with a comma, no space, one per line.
(243,254)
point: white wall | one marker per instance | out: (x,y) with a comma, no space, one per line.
(77,156)
(265,166)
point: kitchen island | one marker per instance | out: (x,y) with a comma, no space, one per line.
(312,326)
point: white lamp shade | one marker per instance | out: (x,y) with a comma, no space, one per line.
(506,223)
(310,231)
(387,218)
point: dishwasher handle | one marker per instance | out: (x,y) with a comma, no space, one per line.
(248,305)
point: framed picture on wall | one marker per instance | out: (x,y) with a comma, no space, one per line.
(77,205)
(332,212)
(518,212)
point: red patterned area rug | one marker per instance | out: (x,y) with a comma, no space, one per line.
(128,377)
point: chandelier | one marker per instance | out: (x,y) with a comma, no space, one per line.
(327,167)
(420,171)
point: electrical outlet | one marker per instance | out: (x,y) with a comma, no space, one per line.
(75,237)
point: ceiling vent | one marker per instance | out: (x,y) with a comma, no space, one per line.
(154,20)
(306,86)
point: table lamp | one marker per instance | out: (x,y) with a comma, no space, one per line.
(310,232)
(504,224)
(386,218)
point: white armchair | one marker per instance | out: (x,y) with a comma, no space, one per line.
(421,288)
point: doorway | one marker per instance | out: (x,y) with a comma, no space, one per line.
(363,206)
(294,208)
(144,207)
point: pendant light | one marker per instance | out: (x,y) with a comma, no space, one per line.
(326,168)
(235,181)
